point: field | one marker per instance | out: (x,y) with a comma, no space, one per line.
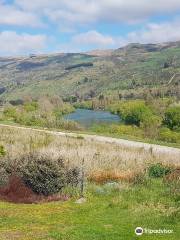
(112,210)
(99,153)
(109,215)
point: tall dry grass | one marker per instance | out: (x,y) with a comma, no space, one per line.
(97,155)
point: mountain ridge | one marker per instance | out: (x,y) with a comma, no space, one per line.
(134,68)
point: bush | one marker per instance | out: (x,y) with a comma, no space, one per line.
(158,170)
(30,106)
(73,177)
(2,151)
(4,171)
(10,112)
(167,135)
(42,174)
(172,118)
(3,177)
(132,112)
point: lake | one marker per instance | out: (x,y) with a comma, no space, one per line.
(89,117)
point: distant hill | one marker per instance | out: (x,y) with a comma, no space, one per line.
(128,70)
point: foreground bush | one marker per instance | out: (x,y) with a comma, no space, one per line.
(158,170)
(42,174)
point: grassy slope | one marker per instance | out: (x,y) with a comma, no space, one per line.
(123,70)
(105,134)
(109,216)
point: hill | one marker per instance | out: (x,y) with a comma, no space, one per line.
(129,70)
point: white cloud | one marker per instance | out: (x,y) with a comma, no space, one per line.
(19,44)
(87,41)
(153,33)
(86,11)
(9,15)
(93,38)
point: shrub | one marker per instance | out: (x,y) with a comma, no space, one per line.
(2,151)
(158,170)
(3,176)
(172,118)
(132,112)
(10,112)
(167,135)
(42,174)
(30,106)
(73,177)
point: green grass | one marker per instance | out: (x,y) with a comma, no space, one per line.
(108,214)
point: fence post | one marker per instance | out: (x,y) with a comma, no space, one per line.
(82,179)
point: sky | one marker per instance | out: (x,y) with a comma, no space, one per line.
(53,26)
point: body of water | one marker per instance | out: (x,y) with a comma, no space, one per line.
(89,117)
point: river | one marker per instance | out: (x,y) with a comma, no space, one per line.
(89,117)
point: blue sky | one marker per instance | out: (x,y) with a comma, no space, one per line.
(44,26)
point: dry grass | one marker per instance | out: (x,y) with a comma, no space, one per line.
(101,177)
(98,155)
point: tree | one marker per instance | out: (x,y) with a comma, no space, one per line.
(45,107)
(134,112)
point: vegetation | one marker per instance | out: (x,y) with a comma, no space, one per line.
(153,119)
(111,212)
(2,151)
(158,170)
(158,119)
(42,174)
(124,185)
(84,105)
(172,118)
(129,73)
(133,112)
(138,82)
(45,112)
(119,191)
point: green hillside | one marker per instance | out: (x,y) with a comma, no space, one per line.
(128,70)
